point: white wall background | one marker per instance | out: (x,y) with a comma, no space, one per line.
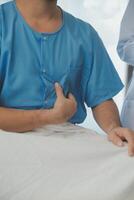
(105,16)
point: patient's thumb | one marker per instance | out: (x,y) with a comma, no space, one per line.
(58,90)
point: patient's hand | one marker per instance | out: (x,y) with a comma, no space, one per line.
(64,108)
(119,135)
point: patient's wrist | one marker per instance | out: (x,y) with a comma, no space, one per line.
(44,117)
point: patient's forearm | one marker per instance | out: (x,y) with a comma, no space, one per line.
(107,115)
(15,120)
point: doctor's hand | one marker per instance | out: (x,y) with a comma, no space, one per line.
(120,135)
(64,108)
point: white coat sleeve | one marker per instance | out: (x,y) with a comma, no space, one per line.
(125,46)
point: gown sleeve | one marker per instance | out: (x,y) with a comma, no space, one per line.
(103,82)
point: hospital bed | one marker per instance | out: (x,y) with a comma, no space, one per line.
(63,162)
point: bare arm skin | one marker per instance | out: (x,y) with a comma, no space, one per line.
(22,120)
(107,117)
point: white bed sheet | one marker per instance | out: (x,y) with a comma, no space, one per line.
(63,162)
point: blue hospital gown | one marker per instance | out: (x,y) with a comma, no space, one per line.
(31,62)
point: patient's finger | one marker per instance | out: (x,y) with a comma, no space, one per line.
(130,139)
(128,135)
(71,97)
(115,139)
(131,149)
